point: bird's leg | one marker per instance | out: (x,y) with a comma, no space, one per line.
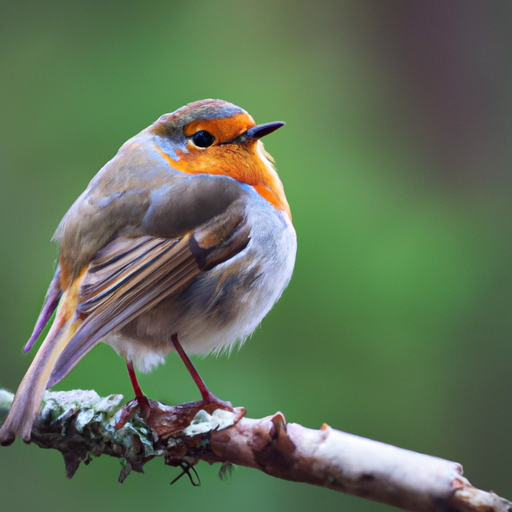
(139,395)
(206,394)
(164,419)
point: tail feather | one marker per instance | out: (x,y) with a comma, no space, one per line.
(50,303)
(27,402)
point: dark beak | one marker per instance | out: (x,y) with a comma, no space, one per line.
(262,129)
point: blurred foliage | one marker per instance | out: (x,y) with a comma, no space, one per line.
(396,159)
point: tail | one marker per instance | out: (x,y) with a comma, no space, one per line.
(27,402)
(51,301)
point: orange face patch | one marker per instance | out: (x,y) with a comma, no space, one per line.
(222,129)
(246,162)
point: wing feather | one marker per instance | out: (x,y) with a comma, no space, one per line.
(131,275)
(128,277)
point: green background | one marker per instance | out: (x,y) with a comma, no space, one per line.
(396,159)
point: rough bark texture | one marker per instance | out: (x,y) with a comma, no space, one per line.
(80,424)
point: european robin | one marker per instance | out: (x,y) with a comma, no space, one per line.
(184,239)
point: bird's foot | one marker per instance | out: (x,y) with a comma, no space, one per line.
(140,403)
(166,420)
(170,421)
(210,403)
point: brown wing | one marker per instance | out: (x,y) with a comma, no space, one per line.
(131,275)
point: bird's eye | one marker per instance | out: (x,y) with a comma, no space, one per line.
(203,139)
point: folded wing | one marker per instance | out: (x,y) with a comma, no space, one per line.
(130,275)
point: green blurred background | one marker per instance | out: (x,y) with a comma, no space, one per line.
(396,159)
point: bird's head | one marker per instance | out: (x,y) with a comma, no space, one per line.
(217,137)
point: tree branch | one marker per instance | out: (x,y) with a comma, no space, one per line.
(80,424)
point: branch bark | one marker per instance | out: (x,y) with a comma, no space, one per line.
(80,424)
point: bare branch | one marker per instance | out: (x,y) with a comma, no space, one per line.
(80,424)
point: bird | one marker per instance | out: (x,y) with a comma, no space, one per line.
(182,242)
